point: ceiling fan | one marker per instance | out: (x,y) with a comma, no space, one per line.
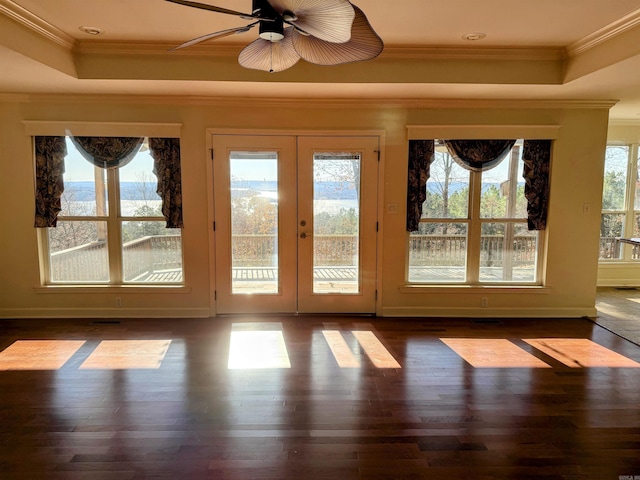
(324,32)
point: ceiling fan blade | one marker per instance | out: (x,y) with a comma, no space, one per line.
(328,20)
(213,8)
(270,56)
(365,44)
(211,36)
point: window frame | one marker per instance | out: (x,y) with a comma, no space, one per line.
(475,222)
(56,128)
(629,210)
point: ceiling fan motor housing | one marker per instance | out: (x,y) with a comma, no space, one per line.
(273,30)
(272,27)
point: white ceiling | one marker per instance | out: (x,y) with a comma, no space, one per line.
(573,50)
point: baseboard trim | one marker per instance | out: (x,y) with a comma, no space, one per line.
(8,313)
(474,312)
(622,282)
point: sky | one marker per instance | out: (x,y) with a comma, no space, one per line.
(77,169)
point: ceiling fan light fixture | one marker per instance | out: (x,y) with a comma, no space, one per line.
(272,31)
(288,16)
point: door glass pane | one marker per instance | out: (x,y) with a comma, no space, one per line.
(336,222)
(254,222)
(438,252)
(508,253)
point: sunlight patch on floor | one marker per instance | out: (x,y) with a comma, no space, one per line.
(493,353)
(38,354)
(126,354)
(256,346)
(581,352)
(375,350)
(341,351)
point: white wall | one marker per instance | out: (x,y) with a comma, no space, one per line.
(572,237)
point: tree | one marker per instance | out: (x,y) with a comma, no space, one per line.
(613,190)
(492,203)
(69,234)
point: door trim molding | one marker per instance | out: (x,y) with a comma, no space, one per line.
(211,132)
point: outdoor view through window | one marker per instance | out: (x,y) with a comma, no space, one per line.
(474,225)
(111,228)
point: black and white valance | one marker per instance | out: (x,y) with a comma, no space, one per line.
(479,155)
(108,152)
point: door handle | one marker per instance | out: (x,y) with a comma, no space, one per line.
(305,235)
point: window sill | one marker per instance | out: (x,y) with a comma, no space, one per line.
(164,289)
(617,263)
(457,289)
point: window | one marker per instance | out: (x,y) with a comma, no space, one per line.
(111,229)
(620,203)
(473,228)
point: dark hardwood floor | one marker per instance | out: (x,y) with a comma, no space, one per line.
(349,398)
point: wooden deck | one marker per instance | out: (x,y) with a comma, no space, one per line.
(342,274)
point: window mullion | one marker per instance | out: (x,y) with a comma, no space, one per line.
(113,226)
(475,229)
(629,200)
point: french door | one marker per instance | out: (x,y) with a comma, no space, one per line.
(295,223)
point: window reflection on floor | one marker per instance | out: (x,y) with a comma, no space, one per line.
(340,350)
(124,354)
(581,352)
(493,353)
(257,345)
(38,354)
(375,350)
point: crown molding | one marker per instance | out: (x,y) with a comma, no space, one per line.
(606,33)
(305,103)
(473,53)
(624,122)
(395,52)
(97,47)
(36,24)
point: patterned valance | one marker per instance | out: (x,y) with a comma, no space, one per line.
(478,155)
(420,158)
(108,152)
(50,153)
(536,155)
(166,166)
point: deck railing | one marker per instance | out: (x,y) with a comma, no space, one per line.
(451,250)
(153,253)
(261,251)
(142,256)
(611,249)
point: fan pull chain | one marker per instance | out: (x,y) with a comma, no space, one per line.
(271,58)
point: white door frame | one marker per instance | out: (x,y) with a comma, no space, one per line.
(210,132)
